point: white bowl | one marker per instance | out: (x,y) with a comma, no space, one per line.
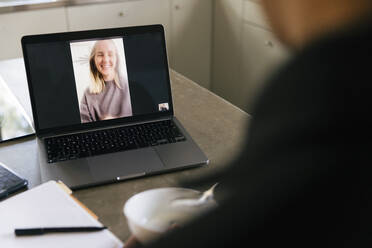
(151,213)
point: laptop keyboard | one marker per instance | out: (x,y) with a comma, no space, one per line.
(99,142)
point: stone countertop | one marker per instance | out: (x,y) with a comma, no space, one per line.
(9,6)
(216,125)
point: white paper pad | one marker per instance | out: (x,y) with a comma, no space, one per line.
(49,206)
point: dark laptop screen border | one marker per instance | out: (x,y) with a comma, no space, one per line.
(86,35)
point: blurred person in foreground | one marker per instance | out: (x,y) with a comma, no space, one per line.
(304,177)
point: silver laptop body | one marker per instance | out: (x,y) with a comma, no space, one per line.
(51,109)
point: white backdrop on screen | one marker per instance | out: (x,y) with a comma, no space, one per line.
(80,52)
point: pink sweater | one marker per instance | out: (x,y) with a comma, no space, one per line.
(111,103)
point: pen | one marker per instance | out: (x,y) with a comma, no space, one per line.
(40,231)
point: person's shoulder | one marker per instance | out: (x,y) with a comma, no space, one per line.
(120,84)
(86,92)
(88,95)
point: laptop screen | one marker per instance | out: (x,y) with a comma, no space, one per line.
(97,78)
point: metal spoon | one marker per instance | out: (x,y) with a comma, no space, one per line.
(205,196)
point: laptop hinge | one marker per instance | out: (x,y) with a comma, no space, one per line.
(62,133)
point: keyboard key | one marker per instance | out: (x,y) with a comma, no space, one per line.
(87,144)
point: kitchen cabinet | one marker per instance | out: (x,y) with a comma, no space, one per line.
(245,51)
(261,55)
(15,25)
(191,35)
(227,41)
(188,26)
(127,13)
(187,23)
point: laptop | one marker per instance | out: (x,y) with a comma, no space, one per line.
(102,106)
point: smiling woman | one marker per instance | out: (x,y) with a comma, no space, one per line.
(107,94)
(103,65)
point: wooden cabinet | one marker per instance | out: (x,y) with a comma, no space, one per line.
(245,51)
(15,25)
(191,34)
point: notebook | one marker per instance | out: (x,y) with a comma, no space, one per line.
(102,106)
(48,205)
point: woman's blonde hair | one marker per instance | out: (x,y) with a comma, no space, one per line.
(98,83)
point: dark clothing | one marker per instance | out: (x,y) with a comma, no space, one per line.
(304,179)
(112,102)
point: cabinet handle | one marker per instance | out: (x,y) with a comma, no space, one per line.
(177,7)
(269,43)
(121,13)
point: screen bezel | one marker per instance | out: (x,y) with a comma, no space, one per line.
(86,35)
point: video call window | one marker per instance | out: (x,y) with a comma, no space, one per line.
(163,107)
(80,82)
(101,79)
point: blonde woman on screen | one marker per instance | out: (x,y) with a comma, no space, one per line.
(108,95)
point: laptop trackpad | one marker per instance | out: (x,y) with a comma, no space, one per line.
(122,164)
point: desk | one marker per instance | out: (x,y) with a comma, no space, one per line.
(215,124)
